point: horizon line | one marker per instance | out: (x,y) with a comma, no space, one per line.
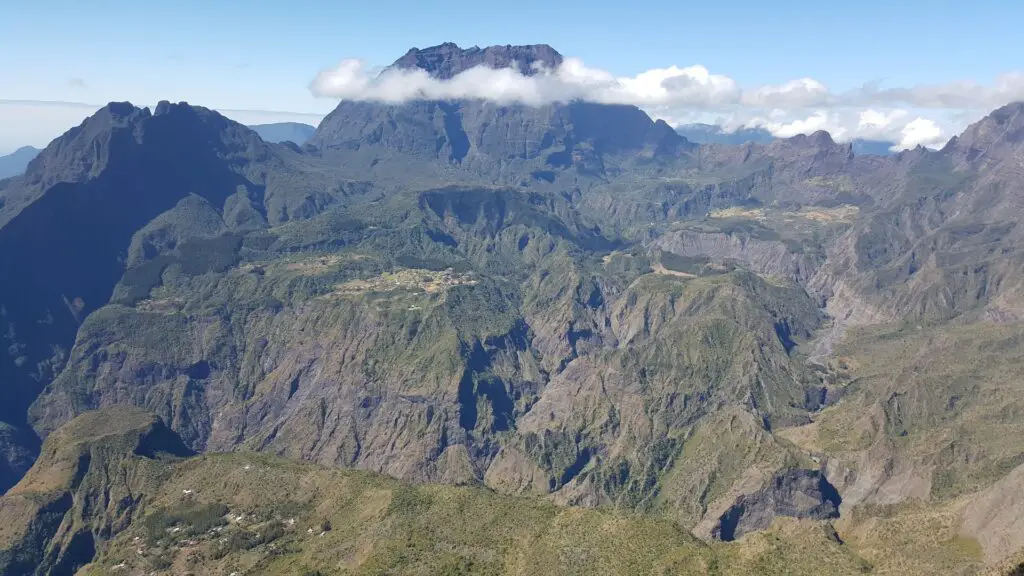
(13,102)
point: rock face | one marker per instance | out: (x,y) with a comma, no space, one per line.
(792,492)
(475,134)
(447,60)
(90,478)
(484,137)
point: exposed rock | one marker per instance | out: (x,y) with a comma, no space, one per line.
(447,60)
(791,492)
(484,138)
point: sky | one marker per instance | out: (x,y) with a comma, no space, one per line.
(912,72)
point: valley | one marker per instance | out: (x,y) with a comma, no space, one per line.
(416,344)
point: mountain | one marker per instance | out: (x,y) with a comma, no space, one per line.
(108,190)
(284,132)
(713,134)
(447,60)
(802,357)
(14,164)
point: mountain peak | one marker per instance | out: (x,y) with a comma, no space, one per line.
(988,139)
(14,164)
(446,60)
(819,139)
(1012,113)
(83,151)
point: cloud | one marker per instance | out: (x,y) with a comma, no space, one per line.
(802,93)
(1006,88)
(786,127)
(693,86)
(77,83)
(925,115)
(900,126)
(922,132)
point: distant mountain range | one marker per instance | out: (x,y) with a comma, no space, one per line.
(779,357)
(284,132)
(14,163)
(714,134)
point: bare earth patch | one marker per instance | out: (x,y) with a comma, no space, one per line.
(161,305)
(314,266)
(839,214)
(659,268)
(844,213)
(415,279)
(740,212)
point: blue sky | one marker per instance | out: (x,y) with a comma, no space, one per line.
(262,55)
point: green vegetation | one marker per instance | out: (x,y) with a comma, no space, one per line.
(380,526)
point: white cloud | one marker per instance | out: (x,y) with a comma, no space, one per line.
(926,115)
(900,126)
(966,94)
(922,132)
(802,93)
(784,127)
(690,87)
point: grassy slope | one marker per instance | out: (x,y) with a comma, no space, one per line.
(378,525)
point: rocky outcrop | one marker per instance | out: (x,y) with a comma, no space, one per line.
(485,139)
(791,492)
(448,60)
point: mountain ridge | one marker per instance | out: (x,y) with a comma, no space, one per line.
(599,312)
(700,133)
(280,132)
(447,60)
(14,164)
